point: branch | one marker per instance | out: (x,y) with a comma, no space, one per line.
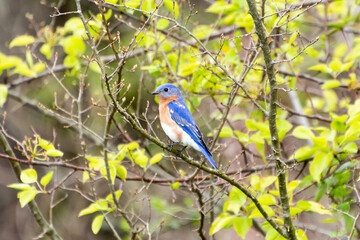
(275,143)
(143,178)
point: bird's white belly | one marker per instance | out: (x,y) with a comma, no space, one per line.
(188,141)
(185,139)
(170,132)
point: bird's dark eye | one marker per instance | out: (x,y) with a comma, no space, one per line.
(166,89)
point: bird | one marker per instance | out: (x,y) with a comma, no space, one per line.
(177,121)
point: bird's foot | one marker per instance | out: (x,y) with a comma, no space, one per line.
(171,145)
(182,149)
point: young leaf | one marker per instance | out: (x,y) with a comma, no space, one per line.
(121,172)
(319,164)
(173,7)
(303,132)
(96,223)
(220,222)
(46,179)
(45,144)
(330,84)
(235,202)
(54,153)
(156,158)
(301,234)
(242,225)
(303,153)
(256,213)
(202,31)
(22,41)
(19,186)
(118,193)
(226,132)
(312,206)
(28,175)
(26,196)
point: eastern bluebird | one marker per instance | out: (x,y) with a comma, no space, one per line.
(177,121)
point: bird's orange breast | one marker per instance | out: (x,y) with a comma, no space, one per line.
(172,130)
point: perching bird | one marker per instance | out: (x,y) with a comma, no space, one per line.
(177,121)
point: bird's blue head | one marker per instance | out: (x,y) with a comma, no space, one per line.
(167,90)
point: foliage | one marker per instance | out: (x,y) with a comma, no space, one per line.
(104,62)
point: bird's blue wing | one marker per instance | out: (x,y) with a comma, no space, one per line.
(180,113)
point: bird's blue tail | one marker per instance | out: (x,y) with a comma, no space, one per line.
(208,156)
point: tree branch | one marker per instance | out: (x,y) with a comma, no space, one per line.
(275,143)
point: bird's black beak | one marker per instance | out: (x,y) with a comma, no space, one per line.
(155,93)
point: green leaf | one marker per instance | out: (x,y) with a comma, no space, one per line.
(99,205)
(320,67)
(96,223)
(219,7)
(202,31)
(220,222)
(313,207)
(331,84)
(303,153)
(236,200)
(226,132)
(266,182)
(301,234)
(335,65)
(28,175)
(162,24)
(302,132)
(242,137)
(140,158)
(156,158)
(19,186)
(26,196)
(71,61)
(174,185)
(319,164)
(148,5)
(112,171)
(173,7)
(22,41)
(131,146)
(46,50)
(46,179)
(267,199)
(95,67)
(54,153)
(283,127)
(257,214)
(132,3)
(3,94)
(118,193)
(350,148)
(121,172)
(272,234)
(45,144)
(242,225)
(320,191)
(23,69)
(73,45)
(293,37)
(9,61)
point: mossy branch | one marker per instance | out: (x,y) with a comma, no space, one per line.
(275,143)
